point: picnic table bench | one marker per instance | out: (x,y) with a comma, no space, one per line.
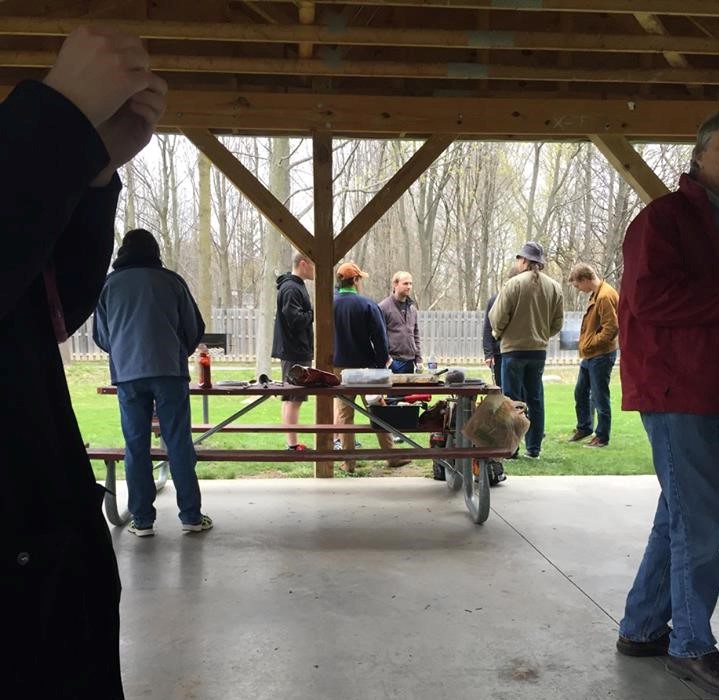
(468,468)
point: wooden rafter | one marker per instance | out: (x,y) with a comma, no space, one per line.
(654,25)
(390,193)
(553,119)
(307,16)
(392,69)
(464,117)
(374,36)
(253,189)
(630,165)
(698,8)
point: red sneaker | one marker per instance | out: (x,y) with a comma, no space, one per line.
(299,447)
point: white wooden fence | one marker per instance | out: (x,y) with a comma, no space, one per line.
(453,337)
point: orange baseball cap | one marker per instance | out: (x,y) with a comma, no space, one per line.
(348,271)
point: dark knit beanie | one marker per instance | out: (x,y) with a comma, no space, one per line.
(139,247)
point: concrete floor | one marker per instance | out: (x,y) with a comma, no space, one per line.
(354,589)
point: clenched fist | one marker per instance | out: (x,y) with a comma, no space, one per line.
(99,69)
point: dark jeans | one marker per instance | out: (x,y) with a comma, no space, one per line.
(591,393)
(497,370)
(522,381)
(402,366)
(171,396)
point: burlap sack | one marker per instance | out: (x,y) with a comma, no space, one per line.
(498,421)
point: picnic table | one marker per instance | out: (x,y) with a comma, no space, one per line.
(467,469)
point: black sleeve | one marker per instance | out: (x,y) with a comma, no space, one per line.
(292,306)
(487,338)
(50,153)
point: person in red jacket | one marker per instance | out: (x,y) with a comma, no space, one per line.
(669,338)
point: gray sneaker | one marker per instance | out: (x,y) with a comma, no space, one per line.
(204,524)
(147,531)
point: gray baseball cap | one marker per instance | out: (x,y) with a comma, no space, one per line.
(533,252)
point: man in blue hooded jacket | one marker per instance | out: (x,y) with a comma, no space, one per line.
(149,323)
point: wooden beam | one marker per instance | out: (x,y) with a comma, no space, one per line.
(371,36)
(385,116)
(391,69)
(630,165)
(363,115)
(390,193)
(324,283)
(698,8)
(307,16)
(253,189)
(654,25)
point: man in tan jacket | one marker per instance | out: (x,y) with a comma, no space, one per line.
(528,311)
(598,349)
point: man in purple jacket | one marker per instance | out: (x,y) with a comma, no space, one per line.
(400,317)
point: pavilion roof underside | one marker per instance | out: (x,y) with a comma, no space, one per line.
(495,69)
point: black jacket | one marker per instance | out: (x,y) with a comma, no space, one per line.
(293,337)
(489,344)
(49,503)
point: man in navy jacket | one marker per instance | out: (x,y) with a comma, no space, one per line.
(61,142)
(360,340)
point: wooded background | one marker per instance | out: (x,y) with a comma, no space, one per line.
(457,228)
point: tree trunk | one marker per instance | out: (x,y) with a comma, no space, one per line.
(280,187)
(204,241)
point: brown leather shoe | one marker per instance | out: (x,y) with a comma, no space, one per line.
(394,463)
(703,671)
(657,647)
(578,435)
(348,467)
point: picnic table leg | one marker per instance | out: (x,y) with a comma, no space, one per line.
(110,500)
(475,474)
(163,468)
(452,472)
(205,408)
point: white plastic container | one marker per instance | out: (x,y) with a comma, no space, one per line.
(358,377)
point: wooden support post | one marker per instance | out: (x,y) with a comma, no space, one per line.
(324,284)
(630,165)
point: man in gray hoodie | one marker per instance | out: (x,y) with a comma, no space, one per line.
(149,323)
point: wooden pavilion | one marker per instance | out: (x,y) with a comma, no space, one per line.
(609,71)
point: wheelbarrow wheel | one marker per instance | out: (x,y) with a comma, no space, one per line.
(476,489)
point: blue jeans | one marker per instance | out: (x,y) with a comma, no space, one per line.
(402,366)
(171,396)
(522,381)
(678,578)
(591,393)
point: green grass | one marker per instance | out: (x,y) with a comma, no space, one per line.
(628,452)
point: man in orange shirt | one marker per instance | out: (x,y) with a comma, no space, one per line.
(598,349)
